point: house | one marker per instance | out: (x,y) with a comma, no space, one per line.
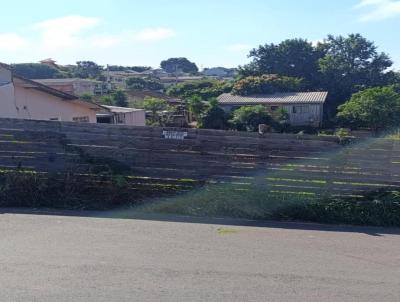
(26,99)
(137,96)
(76,86)
(304,108)
(122,116)
(220,72)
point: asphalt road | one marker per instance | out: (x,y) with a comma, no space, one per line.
(60,258)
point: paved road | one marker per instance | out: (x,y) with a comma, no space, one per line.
(59,258)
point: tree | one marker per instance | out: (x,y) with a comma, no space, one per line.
(87,69)
(376,108)
(204,88)
(36,71)
(292,57)
(174,65)
(247,118)
(157,107)
(144,83)
(196,106)
(120,98)
(106,100)
(351,64)
(267,84)
(214,117)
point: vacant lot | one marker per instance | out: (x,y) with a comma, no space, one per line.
(61,258)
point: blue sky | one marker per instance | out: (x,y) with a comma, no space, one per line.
(208,32)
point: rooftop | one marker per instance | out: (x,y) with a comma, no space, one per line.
(117,109)
(318,97)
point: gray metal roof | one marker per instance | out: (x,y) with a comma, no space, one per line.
(277,98)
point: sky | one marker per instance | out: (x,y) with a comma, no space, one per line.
(208,32)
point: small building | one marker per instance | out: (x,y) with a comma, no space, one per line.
(121,116)
(26,99)
(304,108)
(220,72)
(76,86)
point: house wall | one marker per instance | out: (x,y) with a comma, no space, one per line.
(37,105)
(304,114)
(135,118)
(307,115)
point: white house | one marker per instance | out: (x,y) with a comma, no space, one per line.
(304,108)
(122,116)
(26,99)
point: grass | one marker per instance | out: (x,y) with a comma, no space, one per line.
(378,208)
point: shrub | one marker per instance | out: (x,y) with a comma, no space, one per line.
(247,118)
(376,108)
(267,84)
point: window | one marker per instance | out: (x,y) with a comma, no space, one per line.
(300,109)
(274,108)
(81,119)
(54,119)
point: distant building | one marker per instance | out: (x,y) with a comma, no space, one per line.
(26,99)
(138,96)
(76,86)
(50,62)
(122,116)
(221,72)
(304,108)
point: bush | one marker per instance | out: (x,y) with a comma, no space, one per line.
(267,84)
(247,118)
(376,108)
(381,208)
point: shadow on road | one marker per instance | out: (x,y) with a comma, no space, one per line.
(122,214)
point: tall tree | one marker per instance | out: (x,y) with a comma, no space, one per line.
(120,98)
(173,65)
(292,57)
(87,69)
(351,64)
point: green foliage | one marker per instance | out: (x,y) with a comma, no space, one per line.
(196,106)
(267,84)
(36,71)
(351,64)
(128,68)
(380,208)
(292,57)
(120,98)
(106,100)
(339,65)
(214,117)
(174,65)
(247,118)
(205,89)
(87,69)
(86,97)
(377,108)
(64,190)
(144,83)
(161,113)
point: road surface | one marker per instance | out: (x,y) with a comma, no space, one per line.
(66,258)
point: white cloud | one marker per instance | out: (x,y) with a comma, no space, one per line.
(154,34)
(12,42)
(64,32)
(376,10)
(239,48)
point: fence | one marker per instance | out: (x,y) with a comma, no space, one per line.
(155,158)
